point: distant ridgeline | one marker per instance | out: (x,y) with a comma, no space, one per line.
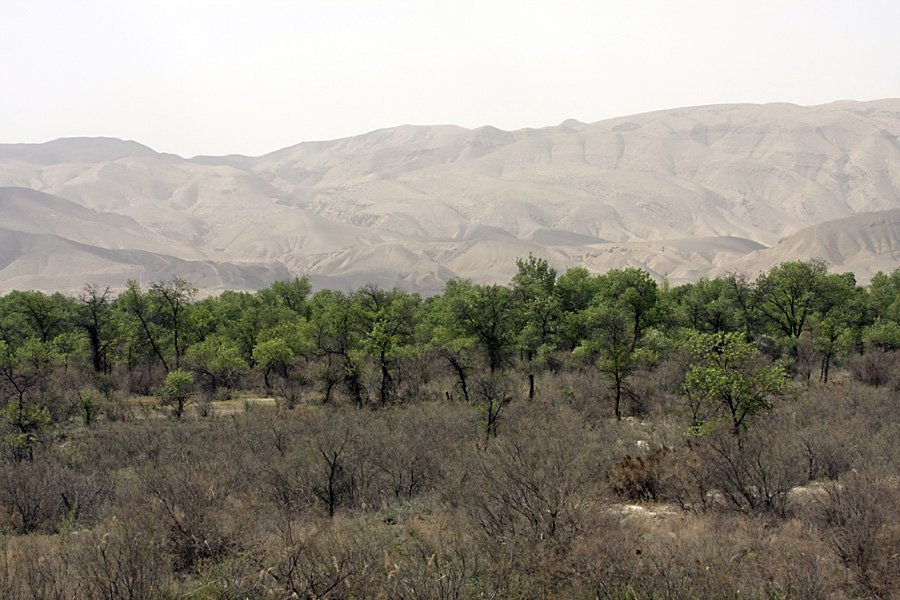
(686,192)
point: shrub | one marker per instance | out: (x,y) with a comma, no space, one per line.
(638,478)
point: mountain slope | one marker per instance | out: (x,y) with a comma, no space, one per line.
(684,192)
(864,244)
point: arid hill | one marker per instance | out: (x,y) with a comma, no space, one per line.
(684,192)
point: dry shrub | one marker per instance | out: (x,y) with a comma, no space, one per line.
(325,559)
(749,472)
(31,495)
(858,517)
(713,555)
(754,471)
(439,556)
(533,479)
(35,567)
(686,480)
(653,391)
(830,451)
(586,391)
(196,501)
(876,368)
(847,426)
(144,381)
(410,449)
(638,478)
(122,558)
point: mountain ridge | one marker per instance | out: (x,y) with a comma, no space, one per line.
(683,192)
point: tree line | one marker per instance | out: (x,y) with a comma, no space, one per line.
(377,347)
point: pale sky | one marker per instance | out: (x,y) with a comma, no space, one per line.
(218,77)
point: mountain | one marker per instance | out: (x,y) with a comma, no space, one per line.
(683,192)
(863,244)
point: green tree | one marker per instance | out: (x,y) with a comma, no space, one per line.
(884,295)
(218,360)
(746,299)
(274,354)
(447,339)
(172,302)
(728,379)
(839,324)
(336,344)
(42,317)
(883,334)
(25,382)
(278,352)
(576,289)
(98,320)
(483,313)
(292,295)
(634,292)
(177,391)
(705,306)
(793,292)
(610,345)
(537,313)
(142,327)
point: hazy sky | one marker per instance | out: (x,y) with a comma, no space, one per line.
(217,77)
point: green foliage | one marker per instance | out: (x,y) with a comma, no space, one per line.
(883,334)
(177,391)
(576,289)
(274,353)
(793,292)
(706,306)
(485,315)
(292,295)
(727,378)
(218,360)
(24,422)
(537,313)
(611,345)
(88,404)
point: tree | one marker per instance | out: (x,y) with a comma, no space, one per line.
(483,313)
(274,354)
(97,319)
(841,323)
(278,352)
(746,299)
(290,294)
(44,316)
(24,375)
(537,313)
(385,322)
(576,289)
(635,293)
(706,307)
(884,294)
(611,346)
(218,360)
(336,344)
(140,307)
(173,299)
(446,338)
(177,391)
(727,378)
(793,292)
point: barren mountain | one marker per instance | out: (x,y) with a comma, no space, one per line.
(863,244)
(684,192)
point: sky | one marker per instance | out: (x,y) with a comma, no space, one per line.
(219,77)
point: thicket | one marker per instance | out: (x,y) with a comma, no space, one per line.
(566,436)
